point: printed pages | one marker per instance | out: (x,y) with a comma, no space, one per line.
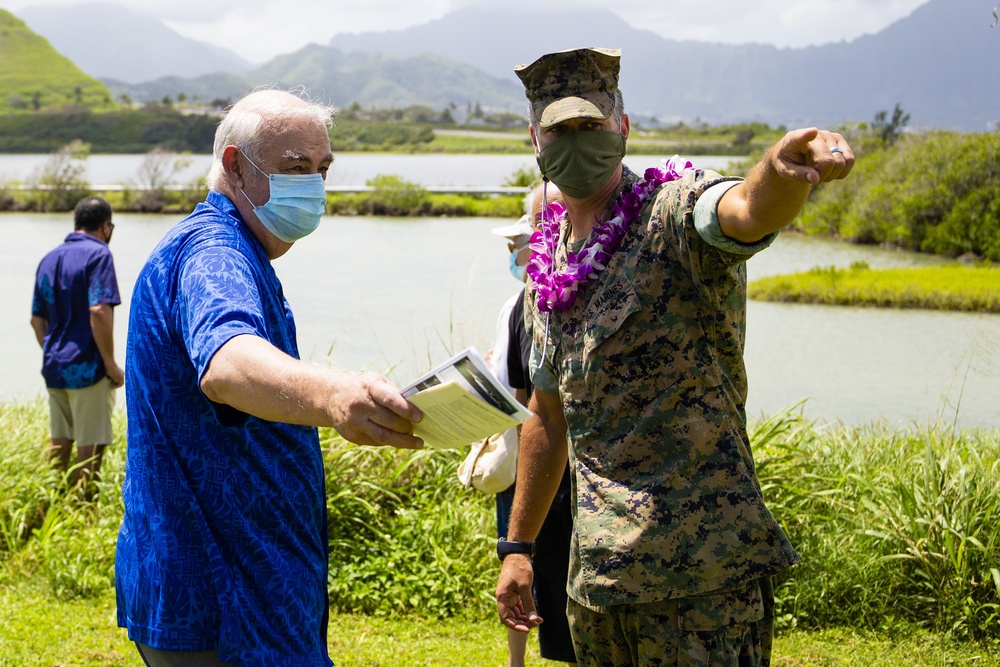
(462,402)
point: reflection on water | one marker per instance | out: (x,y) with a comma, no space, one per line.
(397,295)
(864,364)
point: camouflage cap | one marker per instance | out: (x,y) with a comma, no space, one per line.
(580,83)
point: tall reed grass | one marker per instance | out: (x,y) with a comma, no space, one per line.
(895,527)
(47,528)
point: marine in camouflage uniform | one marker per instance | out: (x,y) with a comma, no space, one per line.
(648,366)
(673,546)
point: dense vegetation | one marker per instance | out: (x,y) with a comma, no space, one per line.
(59,184)
(36,79)
(951,287)
(182,126)
(391,195)
(933,192)
(122,131)
(897,529)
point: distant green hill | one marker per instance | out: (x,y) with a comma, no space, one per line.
(34,77)
(373,81)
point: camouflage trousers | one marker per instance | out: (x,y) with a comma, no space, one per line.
(725,628)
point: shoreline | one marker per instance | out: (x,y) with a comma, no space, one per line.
(952,287)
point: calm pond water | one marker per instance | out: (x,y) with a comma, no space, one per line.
(397,295)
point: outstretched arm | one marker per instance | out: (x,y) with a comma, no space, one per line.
(253,376)
(777,187)
(541,460)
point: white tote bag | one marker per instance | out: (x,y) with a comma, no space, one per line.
(491,464)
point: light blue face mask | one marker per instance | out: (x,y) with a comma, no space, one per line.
(295,205)
(518,272)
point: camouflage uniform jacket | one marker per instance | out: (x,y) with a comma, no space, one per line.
(648,365)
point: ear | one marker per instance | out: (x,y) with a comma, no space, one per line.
(232,165)
(534,139)
(625,125)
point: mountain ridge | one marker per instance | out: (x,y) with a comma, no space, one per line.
(35,77)
(942,45)
(110,41)
(935,62)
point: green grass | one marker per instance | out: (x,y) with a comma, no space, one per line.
(515,142)
(843,647)
(40,631)
(894,527)
(651,143)
(35,77)
(950,287)
(899,531)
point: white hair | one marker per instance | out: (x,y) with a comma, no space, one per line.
(529,200)
(253,117)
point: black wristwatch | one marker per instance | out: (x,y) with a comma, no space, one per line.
(506,548)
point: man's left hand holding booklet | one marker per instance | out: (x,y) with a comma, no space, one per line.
(462,402)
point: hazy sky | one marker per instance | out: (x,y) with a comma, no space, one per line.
(258,30)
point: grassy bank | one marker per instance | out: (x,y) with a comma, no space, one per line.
(898,531)
(950,287)
(403,199)
(37,629)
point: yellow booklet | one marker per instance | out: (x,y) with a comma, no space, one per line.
(462,402)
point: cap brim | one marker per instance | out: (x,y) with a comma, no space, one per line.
(568,108)
(520,228)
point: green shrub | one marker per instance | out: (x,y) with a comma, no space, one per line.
(25,475)
(60,183)
(933,192)
(893,527)
(48,528)
(524,177)
(405,536)
(391,195)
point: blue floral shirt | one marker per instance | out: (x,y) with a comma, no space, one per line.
(70,279)
(223,543)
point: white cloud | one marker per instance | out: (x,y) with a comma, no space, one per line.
(260,29)
(284,27)
(778,22)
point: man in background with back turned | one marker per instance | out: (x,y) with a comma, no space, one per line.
(72,314)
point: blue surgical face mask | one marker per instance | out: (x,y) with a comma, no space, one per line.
(517,271)
(295,205)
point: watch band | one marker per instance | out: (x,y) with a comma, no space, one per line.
(506,548)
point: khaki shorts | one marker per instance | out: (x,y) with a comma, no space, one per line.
(83,415)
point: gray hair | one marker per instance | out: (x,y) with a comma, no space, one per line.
(253,117)
(533,200)
(617,112)
(529,200)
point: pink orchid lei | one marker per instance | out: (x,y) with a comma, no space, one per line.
(557,289)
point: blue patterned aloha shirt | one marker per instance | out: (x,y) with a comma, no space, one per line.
(223,545)
(71,279)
